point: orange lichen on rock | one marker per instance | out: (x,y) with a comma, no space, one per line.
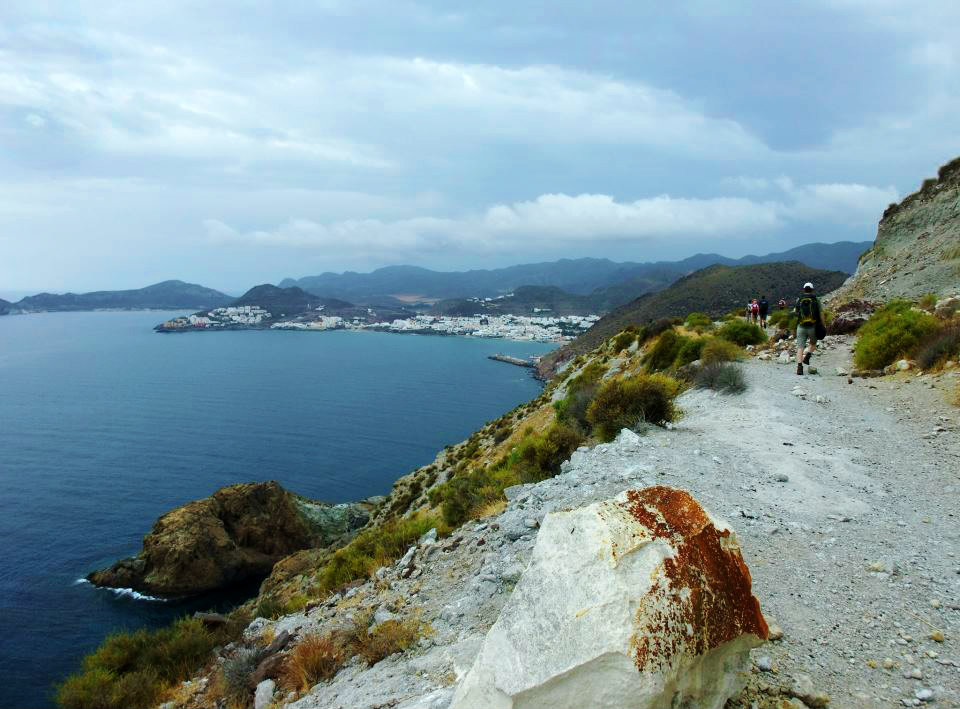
(703,597)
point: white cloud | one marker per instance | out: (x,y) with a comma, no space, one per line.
(587,218)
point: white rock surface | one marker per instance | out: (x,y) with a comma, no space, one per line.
(264,694)
(639,601)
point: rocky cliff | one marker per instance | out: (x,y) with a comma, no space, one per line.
(239,532)
(917,249)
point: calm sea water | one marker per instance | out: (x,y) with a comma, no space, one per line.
(105,425)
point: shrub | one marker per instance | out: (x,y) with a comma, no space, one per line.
(314,659)
(384,640)
(373,548)
(699,322)
(935,350)
(622,403)
(783,319)
(237,671)
(721,376)
(928,301)
(136,668)
(742,333)
(538,457)
(717,350)
(623,341)
(690,350)
(572,409)
(664,351)
(892,332)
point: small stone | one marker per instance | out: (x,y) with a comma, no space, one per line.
(937,636)
(764,663)
(934,602)
(775,632)
(924,695)
(877,566)
(914,673)
(530,523)
(781,478)
(888,663)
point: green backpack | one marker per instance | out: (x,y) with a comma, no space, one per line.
(807,309)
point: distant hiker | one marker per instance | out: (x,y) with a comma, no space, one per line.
(755,310)
(764,309)
(749,310)
(809,322)
(782,305)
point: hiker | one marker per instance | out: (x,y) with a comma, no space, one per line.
(755,310)
(809,325)
(764,309)
(782,305)
(749,310)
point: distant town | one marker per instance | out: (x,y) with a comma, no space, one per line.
(538,328)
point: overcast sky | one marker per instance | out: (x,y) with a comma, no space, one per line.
(233,143)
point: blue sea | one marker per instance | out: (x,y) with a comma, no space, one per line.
(105,425)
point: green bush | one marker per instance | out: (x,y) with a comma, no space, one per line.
(622,403)
(724,377)
(892,332)
(717,350)
(537,457)
(742,333)
(135,669)
(928,301)
(664,351)
(372,548)
(623,340)
(943,345)
(699,322)
(690,350)
(572,409)
(783,320)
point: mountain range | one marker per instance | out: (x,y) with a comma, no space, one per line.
(575,276)
(168,295)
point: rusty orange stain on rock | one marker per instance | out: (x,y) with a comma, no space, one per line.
(703,598)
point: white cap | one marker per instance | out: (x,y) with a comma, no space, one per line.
(808,284)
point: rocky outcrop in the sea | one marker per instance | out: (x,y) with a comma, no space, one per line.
(643,601)
(917,250)
(239,532)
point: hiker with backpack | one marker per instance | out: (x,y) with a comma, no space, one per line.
(764,309)
(810,327)
(755,311)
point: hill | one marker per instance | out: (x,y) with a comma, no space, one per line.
(618,282)
(917,249)
(714,290)
(166,295)
(5,307)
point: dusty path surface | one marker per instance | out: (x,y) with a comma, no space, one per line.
(847,512)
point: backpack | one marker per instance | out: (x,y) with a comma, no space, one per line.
(755,308)
(807,309)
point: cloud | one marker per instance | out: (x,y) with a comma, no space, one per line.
(552,219)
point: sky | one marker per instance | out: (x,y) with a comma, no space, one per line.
(234,143)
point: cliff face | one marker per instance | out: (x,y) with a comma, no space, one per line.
(238,532)
(917,250)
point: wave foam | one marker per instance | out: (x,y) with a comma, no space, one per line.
(123,592)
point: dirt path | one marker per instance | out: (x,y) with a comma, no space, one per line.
(849,517)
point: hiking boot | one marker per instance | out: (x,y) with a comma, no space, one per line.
(806,358)
(799,369)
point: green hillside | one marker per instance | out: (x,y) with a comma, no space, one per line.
(714,290)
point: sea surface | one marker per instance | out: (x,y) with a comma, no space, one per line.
(105,425)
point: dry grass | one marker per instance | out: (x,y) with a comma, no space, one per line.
(384,640)
(491,509)
(315,659)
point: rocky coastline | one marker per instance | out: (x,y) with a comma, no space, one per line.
(239,532)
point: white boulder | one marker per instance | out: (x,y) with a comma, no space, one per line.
(264,694)
(642,601)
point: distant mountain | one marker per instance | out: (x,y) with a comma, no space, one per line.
(714,290)
(165,295)
(281,300)
(621,281)
(5,307)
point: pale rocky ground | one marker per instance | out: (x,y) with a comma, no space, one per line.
(847,514)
